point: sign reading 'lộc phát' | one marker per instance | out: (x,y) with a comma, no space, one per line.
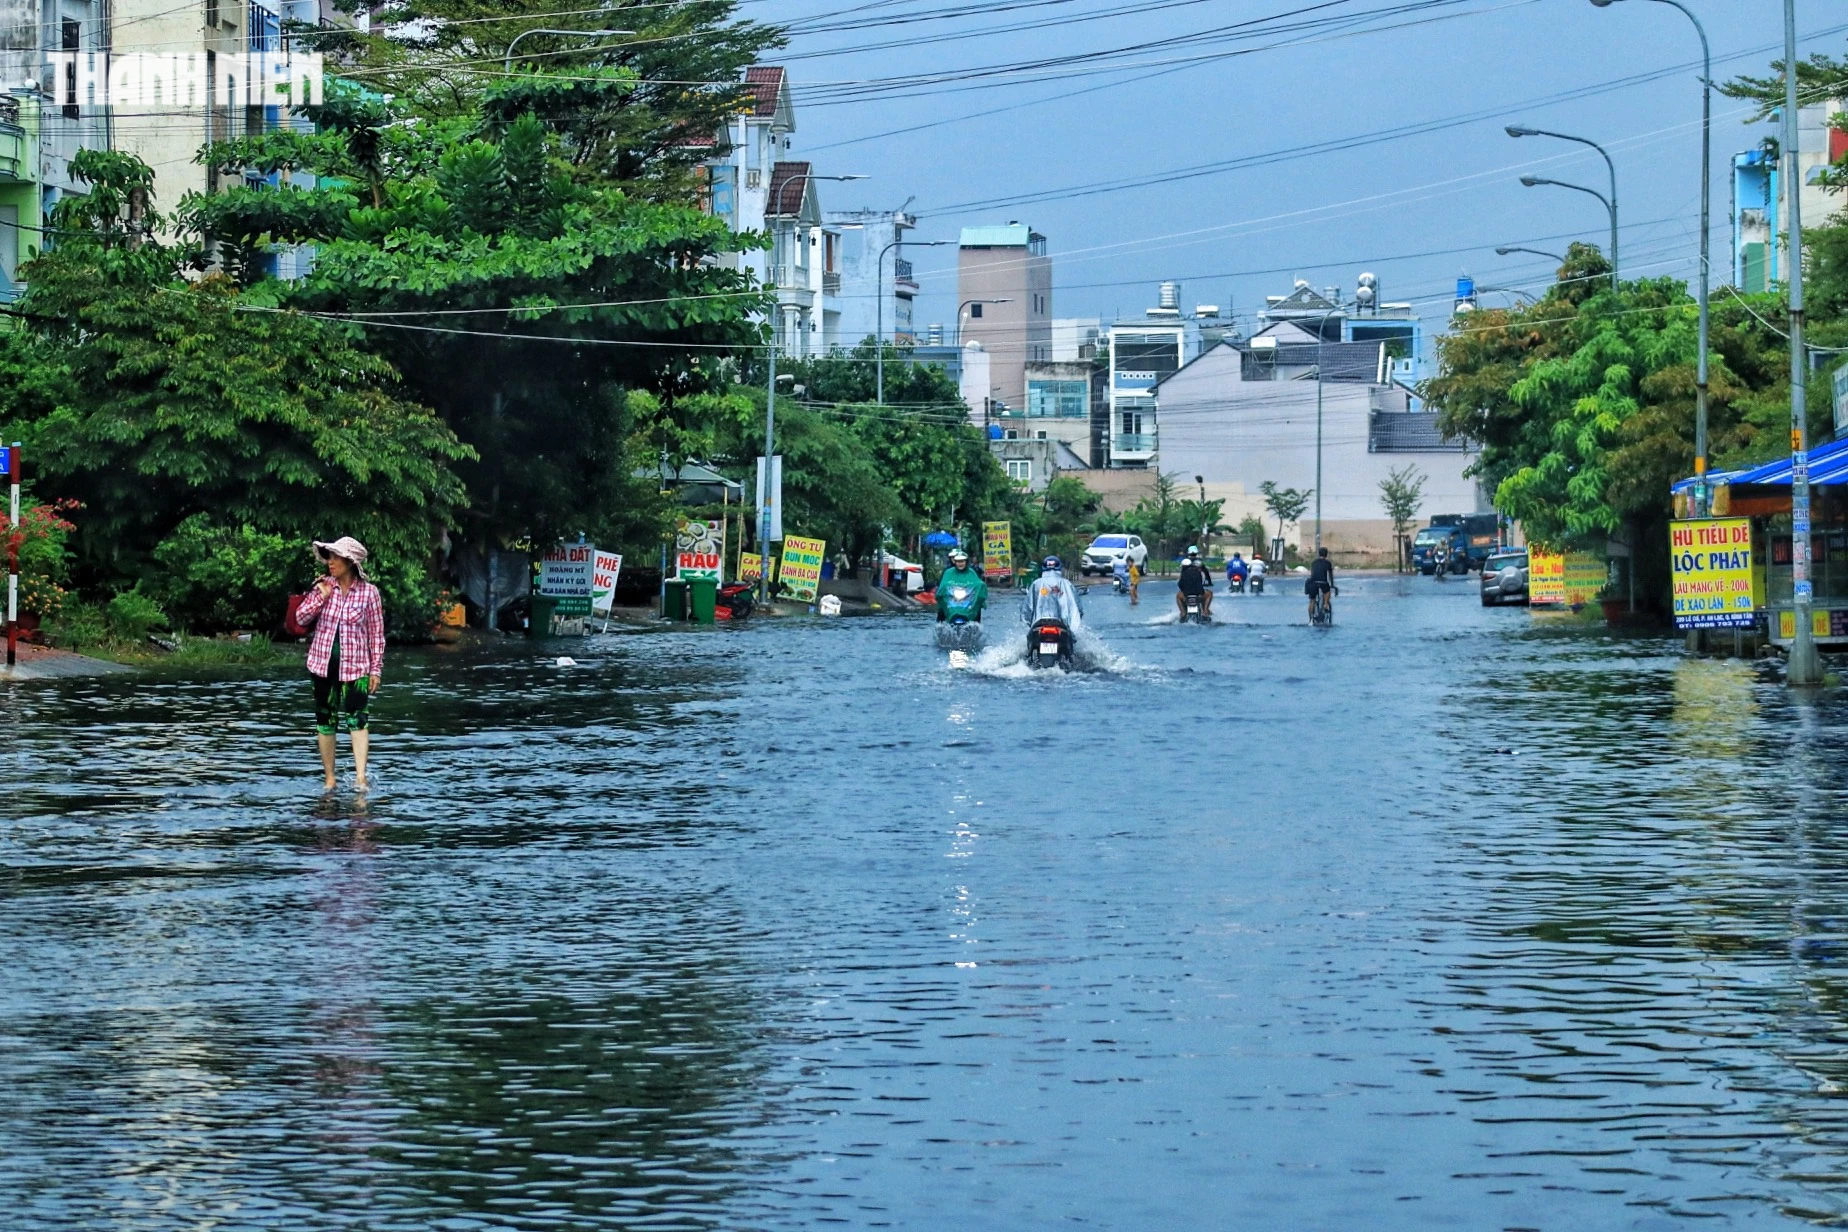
(1711,565)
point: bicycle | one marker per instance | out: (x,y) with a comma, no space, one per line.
(1321,610)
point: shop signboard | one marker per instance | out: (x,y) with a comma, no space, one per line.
(997,549)
(801,568)
(1710,563)
(1546,578)
(751,566)
(774,496)
(565,574)
(1584,576)
(605,568)
(699,550)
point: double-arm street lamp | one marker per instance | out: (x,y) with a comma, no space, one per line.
(774,210)
(1701,494)
(1610,202)
(879,332)
(507,64)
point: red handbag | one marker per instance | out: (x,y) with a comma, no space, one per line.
(291,622)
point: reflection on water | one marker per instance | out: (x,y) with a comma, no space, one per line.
(1441,917)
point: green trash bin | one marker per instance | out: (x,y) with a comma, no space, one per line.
(705,597)
(544,607)
(674,600)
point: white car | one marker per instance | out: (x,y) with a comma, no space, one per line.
(1106,550)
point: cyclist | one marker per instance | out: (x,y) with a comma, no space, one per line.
(1321,581)
(1197,580)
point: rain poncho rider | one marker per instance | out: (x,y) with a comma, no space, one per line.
(1051,596)
(961,573)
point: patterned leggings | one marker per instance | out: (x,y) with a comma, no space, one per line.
(335,699)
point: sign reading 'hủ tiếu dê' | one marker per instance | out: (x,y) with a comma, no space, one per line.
(801,567)
(1710,562)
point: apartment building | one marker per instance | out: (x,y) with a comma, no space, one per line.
(878,279)
(1004,294)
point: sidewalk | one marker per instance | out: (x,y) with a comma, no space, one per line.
(45,663)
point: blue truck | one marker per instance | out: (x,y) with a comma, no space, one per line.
(1469,537)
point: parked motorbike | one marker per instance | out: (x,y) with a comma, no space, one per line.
(1119,584)
(961,626)
(1049,644)
(736,600)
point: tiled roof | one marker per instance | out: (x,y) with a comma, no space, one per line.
(1341,361)
(765,82)
(1409,432)
(788,184)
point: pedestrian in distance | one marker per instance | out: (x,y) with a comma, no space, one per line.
(1135,583)
(347,656)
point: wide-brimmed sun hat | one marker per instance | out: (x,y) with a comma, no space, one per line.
(346,548)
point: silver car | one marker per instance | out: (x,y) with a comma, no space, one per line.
(1504,578)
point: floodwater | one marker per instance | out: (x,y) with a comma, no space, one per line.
(1441,918)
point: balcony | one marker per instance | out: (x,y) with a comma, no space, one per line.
(830,283)
(1132,444)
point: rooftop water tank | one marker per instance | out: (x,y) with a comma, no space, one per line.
(1170,295)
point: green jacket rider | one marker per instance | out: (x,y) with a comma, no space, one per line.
(960,574)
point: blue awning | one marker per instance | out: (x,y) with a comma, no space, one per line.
(1828,464)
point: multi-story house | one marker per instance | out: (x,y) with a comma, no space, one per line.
(878,281)
(1143,351)
(1004,293)
(1759,211)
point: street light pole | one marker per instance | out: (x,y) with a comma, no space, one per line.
(1534,181)
(1805,666)
(879,329)
(776,205)
(507,64)
(1538,252)
(1321,327)
(1702,494)
(1521,130)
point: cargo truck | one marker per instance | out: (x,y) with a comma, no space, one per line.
(1470,537)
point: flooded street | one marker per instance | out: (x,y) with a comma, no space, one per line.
(1442,918)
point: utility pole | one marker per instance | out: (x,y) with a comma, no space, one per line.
(1805,666)
(763,535)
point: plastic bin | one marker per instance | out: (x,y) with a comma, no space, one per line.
(704,595)
(543,609)
(674,600)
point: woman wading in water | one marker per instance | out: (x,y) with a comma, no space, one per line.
(347,654)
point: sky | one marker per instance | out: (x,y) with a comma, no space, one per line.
(1334,136)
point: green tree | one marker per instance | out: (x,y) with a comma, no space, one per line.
(1401,495)
(524,305)
(1284,504)
(151,396)
(1251,531)
(638,111)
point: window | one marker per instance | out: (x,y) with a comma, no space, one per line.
(975,311)
(1058,399)
(71,36)
(1020,470)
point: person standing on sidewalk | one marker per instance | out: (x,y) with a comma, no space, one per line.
(347,655)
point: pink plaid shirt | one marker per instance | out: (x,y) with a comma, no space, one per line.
(357,617)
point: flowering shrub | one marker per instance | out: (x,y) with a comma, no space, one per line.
(43,561)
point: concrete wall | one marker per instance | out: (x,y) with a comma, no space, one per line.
(1239,433)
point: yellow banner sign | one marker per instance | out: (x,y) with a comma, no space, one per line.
(750,566)
(1585,576)
(997,549)
(801,568)
(1546,578)
(1710,562)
